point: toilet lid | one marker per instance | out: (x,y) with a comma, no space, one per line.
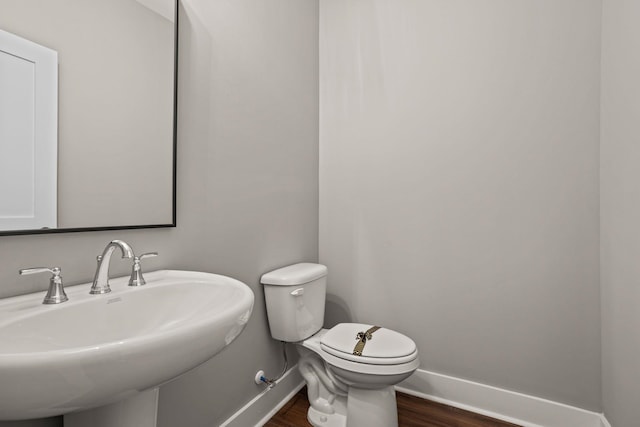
(384,347)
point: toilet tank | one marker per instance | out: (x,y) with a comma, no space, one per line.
(295,297)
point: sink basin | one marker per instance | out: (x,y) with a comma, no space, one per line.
(97,349)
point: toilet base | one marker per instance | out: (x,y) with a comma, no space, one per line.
(365,407)
(318,419)
(372,408)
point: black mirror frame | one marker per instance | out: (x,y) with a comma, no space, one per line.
(175,152)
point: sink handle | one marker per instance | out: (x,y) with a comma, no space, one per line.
(55,294)
(33,270)
(136,278)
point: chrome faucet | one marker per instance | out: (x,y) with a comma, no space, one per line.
(101,279)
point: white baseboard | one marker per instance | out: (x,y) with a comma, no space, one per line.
(604,422)
(517,408)
(510,406)
(266,404)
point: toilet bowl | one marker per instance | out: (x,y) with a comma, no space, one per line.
(350,369)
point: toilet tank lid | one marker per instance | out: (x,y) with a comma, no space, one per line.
(293,275)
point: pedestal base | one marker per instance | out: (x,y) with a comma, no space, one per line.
(140,410)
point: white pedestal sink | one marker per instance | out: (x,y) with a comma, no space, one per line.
(96,350)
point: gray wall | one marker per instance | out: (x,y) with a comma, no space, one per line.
(247,185)
(620,207)
(249,120)
(459,184)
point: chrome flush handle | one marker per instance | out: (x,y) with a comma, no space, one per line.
(55,294)
(136,278)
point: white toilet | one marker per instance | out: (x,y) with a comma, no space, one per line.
(350,369)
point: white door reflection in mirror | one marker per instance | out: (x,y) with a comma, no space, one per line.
(28,134)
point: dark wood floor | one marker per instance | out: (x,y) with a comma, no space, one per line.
(412,412)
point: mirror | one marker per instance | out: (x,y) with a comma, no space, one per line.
(108,160)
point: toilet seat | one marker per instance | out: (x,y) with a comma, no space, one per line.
(370,360)
(384,347)
(361,364)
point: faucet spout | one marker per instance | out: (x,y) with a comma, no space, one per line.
(101,279)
